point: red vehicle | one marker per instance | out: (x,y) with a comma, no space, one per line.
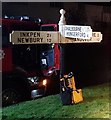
(24,75)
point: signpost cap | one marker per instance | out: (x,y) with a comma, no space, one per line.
(62,11)
(62,18)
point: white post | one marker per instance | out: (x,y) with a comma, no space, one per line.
(62,21)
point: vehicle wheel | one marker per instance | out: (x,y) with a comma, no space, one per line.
(9,97)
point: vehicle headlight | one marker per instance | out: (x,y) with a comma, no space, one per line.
(44,82)
(33,80)
(50,71)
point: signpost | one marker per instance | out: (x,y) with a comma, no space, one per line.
(66,34)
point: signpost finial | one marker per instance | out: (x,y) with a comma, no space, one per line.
(62,20)
(62,11)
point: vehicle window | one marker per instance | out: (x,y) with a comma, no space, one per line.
(48,54)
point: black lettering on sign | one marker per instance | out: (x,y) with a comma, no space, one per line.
(37,34)
(48,40)
(41,39)
(22,34)
(98,35)
(94,34)
(20,40)
(76,28)
(29,34)
(48,35)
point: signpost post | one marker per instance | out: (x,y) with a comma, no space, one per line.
(61,24)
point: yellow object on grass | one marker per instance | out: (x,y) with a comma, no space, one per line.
(77,96)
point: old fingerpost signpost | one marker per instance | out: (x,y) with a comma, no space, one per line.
(73,34)
(66,34)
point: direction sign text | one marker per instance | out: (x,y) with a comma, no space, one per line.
(75,31)
(34,37)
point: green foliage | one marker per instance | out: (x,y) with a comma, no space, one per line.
(95,105)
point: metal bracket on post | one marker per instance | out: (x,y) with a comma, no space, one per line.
(61,24)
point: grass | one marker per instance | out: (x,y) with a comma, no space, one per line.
(95,105)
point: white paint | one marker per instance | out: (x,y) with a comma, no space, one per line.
(62,21)
(76,31)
